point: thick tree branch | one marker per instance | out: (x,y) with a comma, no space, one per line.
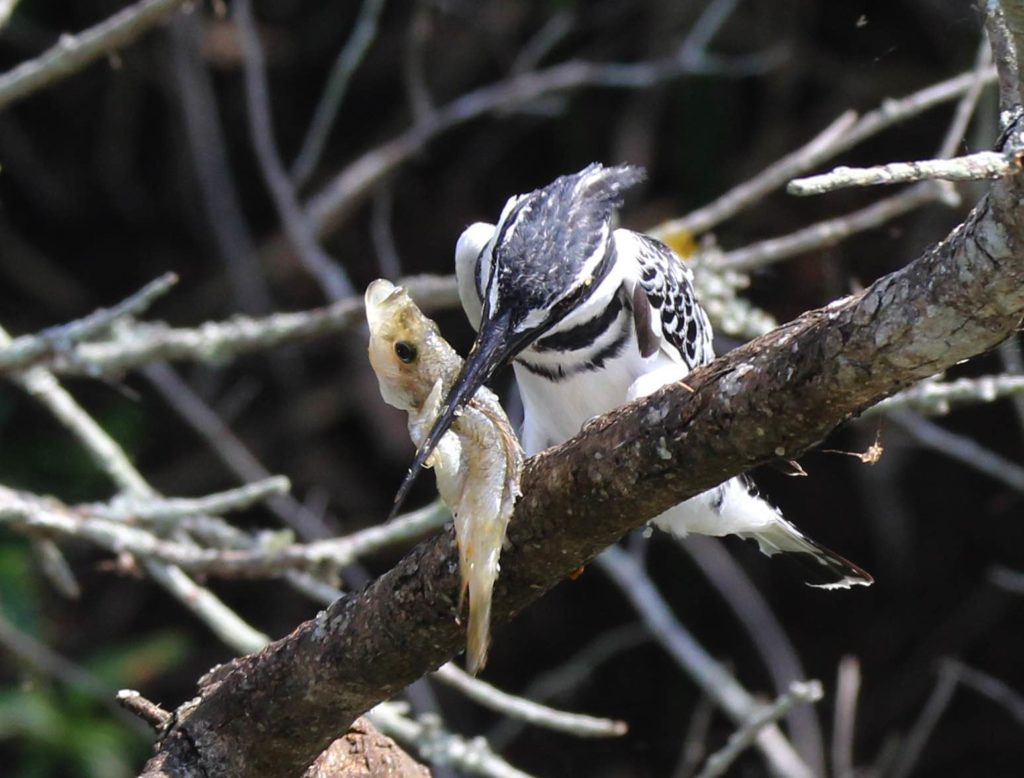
(270,713)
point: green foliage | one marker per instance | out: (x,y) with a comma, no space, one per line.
(56,729)
(58,733)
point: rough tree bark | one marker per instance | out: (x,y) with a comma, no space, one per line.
(272,713)
(364,752)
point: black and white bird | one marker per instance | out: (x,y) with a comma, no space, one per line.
(592,317)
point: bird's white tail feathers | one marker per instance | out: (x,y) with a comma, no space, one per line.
(735,509)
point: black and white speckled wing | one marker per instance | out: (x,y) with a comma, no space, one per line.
(666,311)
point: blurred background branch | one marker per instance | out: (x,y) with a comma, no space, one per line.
(404,124)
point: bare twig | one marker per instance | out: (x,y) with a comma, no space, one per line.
(937,398)
(1007,579)
(229,447)
(576,724)
(207,146)
(1013,361)
(961,448)
(224,622)
(984,165)
(735,701)
(967,104)
(165,510)
(433,744)
(829,232)
(74,52)
(569,675)
(55,567)
(139,706)
(362,36)
(719,289)
(775,175)
(388,260)
(844,133)
(1004,22)
(847,691)
(27,349)
(220,342)
(45,660)
(6,9)
(767,635)
(799,693)
(991,687)
(923,727)
(336,201)
(695,746)
(550,34)
(329,274)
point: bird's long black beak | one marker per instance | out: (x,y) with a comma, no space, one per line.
(494,346)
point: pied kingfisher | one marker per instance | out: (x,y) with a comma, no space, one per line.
(591,318)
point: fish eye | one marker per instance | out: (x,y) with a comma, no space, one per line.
(405,351)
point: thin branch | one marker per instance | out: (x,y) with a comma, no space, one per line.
(6,9)
(1005,25)
(720,291)
(967,104)
(110,457)
(844,133)
(961,448)
(984,165)
(220,342)
(339,198)
(166,510)
(55,567)
(144,709)
(435,745)
(538,715)
(1013,362)
(989,686)
(543,41)
(775,175)
(44,660)
(767,635)
(1007,579)
(74,52)
(711,676)
(265,555)
(694,746)
(207,148)
(923,727)
(845,716)
(799,693)
(364,31)
(710,22)
(830,232)
(328,273)
(568,676)
(938,398)
(228,446)
(27,349)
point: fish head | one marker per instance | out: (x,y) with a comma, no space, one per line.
(400,337)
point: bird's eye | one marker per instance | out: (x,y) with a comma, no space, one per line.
(405,351)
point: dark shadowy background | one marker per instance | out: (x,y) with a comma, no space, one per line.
(100,192)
